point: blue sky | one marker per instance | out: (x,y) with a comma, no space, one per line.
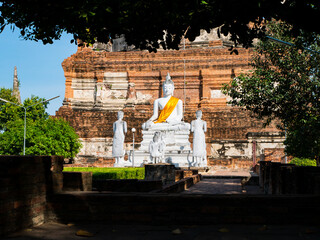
(39,66)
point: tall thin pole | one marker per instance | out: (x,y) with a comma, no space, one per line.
(290,44)
(24,131)
(254,149)
(133,131)
(184,72)
(285,154)
(184,77)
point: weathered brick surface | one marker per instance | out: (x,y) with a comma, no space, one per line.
(233,163)
(25,184)
(223,124)
(93,162)
(274,154)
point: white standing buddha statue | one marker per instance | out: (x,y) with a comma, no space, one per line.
(199,127)
(119,131)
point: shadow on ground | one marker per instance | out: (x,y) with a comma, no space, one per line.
(101,230)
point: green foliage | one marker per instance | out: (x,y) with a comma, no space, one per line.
(145,22)
(303,139)
(303,162)
(284,85)
(53,137)
(11,140)
(9,112)
(6,93)
(110,173)
(44,135)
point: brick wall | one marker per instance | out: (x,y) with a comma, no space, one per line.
(227,128)
(25,184)
(205,69)
(223,124)
(92,162)
(230,164)
(274,154)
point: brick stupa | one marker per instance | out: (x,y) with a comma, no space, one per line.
(100,83)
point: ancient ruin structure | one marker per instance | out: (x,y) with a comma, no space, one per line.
(100,83)
(16,84)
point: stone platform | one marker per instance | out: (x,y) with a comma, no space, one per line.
(176,140)
(177,158)
(177,151)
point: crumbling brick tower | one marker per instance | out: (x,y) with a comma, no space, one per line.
(100,83)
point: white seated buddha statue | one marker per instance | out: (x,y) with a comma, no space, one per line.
(167,111)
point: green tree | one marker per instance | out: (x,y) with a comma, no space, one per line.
(6,93)
(284,84)
(9,112)
(45,135)
(148,23)
(303,139)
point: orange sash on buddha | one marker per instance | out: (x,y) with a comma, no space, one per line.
(167,110)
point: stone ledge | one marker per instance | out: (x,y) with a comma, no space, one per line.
(174,208)
(127,185)
(181,185)
(77,181)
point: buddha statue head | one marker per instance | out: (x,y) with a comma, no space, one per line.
(120,115)
(199,114)
(156,137)
(168,86)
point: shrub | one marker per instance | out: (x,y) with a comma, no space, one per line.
(304,162)
(110,173)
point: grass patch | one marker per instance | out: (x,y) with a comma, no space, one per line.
(110,173)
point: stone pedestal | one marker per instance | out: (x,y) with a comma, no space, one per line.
(177,151)
(123,163)
(163,172)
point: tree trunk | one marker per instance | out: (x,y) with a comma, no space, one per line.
(317,158)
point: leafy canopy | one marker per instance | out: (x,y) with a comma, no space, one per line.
(9,112)
(303,139)
(284,81)
(284,84)
(147,24)
(44,136)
